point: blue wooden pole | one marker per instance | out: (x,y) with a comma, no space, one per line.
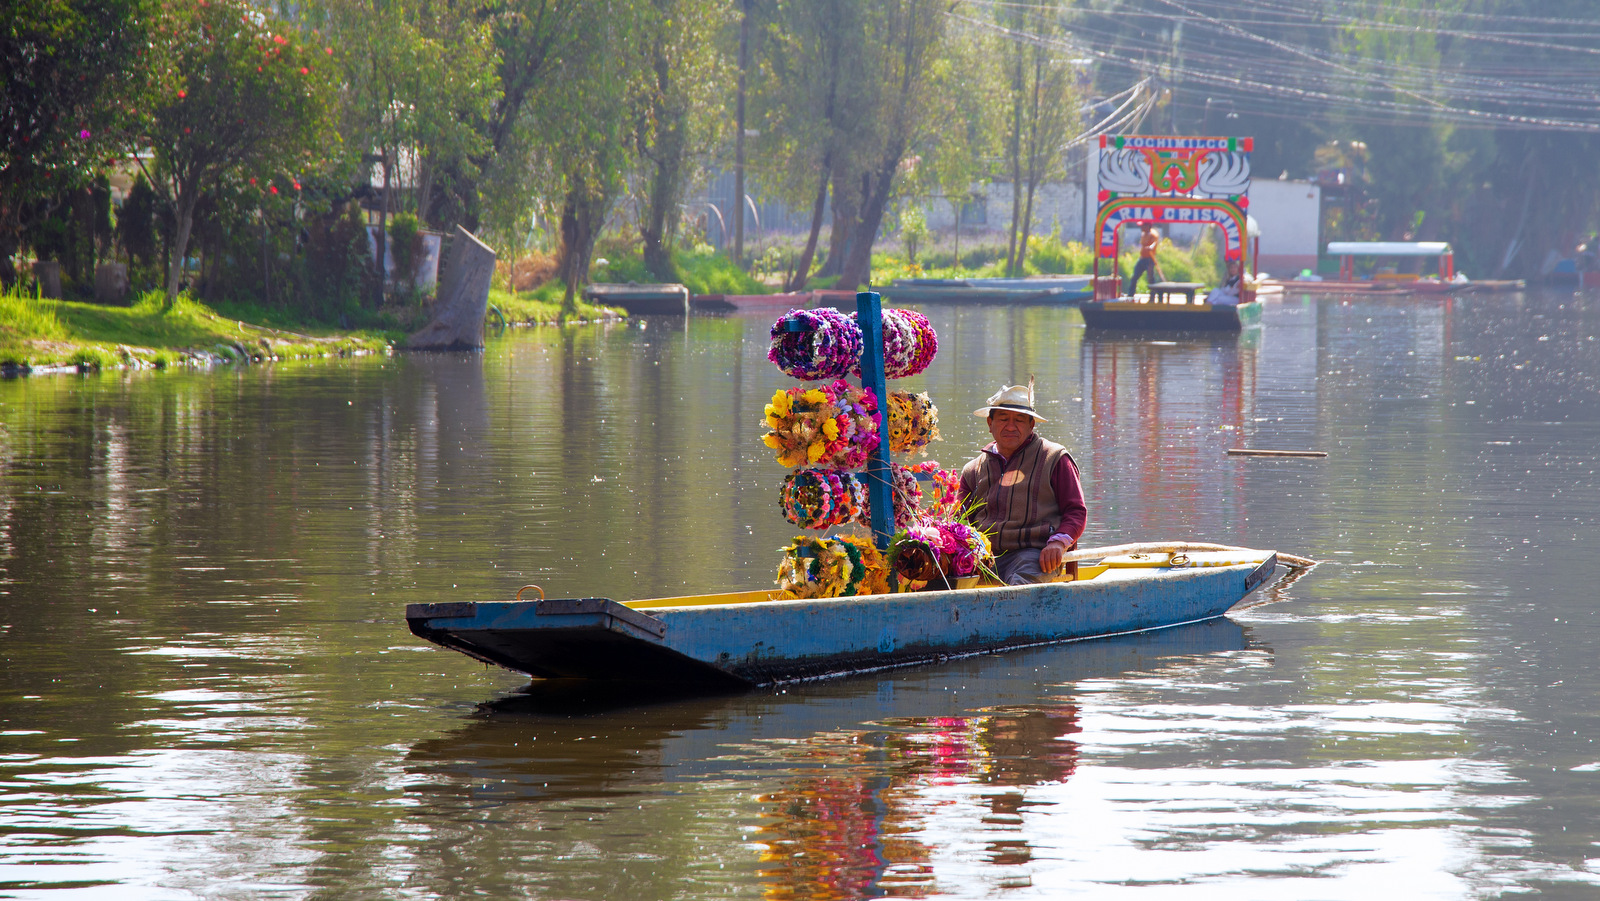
(880,497)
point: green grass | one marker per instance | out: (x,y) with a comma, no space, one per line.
(151,332)
(701,270)
(1049,256)
(25,315)
(542,306)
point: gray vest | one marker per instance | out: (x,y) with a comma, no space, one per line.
(1014,502)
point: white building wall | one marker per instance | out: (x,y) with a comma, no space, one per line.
(1290,215)
(1055,205)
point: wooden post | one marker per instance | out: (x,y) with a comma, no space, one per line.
(880,494)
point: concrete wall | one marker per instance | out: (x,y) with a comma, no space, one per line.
(1290,216)
(1055,205)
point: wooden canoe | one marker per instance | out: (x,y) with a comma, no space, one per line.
(642,300)
(754,638)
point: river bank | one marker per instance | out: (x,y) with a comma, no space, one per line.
(42,336)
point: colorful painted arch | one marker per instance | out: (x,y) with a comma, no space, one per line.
(1220,212)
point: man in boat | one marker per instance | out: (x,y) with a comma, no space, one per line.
(1023,491)
(1149,240)
(1227,293)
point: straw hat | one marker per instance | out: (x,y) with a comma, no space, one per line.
(1012,397)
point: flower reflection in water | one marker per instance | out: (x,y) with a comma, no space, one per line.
(850,826)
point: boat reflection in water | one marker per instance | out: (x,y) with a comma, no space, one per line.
(858,835)
(849,788)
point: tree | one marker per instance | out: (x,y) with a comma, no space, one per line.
(806,106)
(678,118)
(529,40)
(588,110)
(906,36)
(1043,118)
(416,75)
(250,101)
(72,73)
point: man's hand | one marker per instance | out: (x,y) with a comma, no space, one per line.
(1050,556)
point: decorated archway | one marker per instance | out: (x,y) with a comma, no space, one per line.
(1170,179)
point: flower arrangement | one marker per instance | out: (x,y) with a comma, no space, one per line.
(959,547)
(939,497)
(827,347)
(835,426)
(927,345)
(820,498)
(909,343)
(832,568)
(906,493)
(913,422)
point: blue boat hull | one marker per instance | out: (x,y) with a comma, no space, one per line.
(784,641)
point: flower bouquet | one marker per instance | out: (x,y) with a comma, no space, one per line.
(940,551)
(843,566)
(906,495)
(828,345)
(821,498)
(834,426)
(909,344)
(938,491)
(913,422)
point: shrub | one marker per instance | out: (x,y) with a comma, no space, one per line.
(405,249)
(1048,255)
(338,264)
(702,270)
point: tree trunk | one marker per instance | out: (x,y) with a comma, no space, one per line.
(183,217)
(1016,164)
(845,207)
(583,212)
(959,205)
(1027,228)
(858,265)
(383,236)
(665,188)
(661,216)
(738,140)
(266,272)
(803,268)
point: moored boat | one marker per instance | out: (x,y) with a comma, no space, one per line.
(1132,314)
(734,303)
(669,299)
(1069,289)
(756,638)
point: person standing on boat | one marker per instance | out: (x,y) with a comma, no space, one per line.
(1023,491)
(1149,240)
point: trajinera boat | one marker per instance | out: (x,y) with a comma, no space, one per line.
(818,623)
(1174,180)
(754,638)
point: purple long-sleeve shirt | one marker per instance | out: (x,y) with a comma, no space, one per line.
(1069,495)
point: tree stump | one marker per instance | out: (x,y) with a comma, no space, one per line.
(48,274)
(463,299)
(111,283)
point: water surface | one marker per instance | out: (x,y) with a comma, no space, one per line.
(207,689)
